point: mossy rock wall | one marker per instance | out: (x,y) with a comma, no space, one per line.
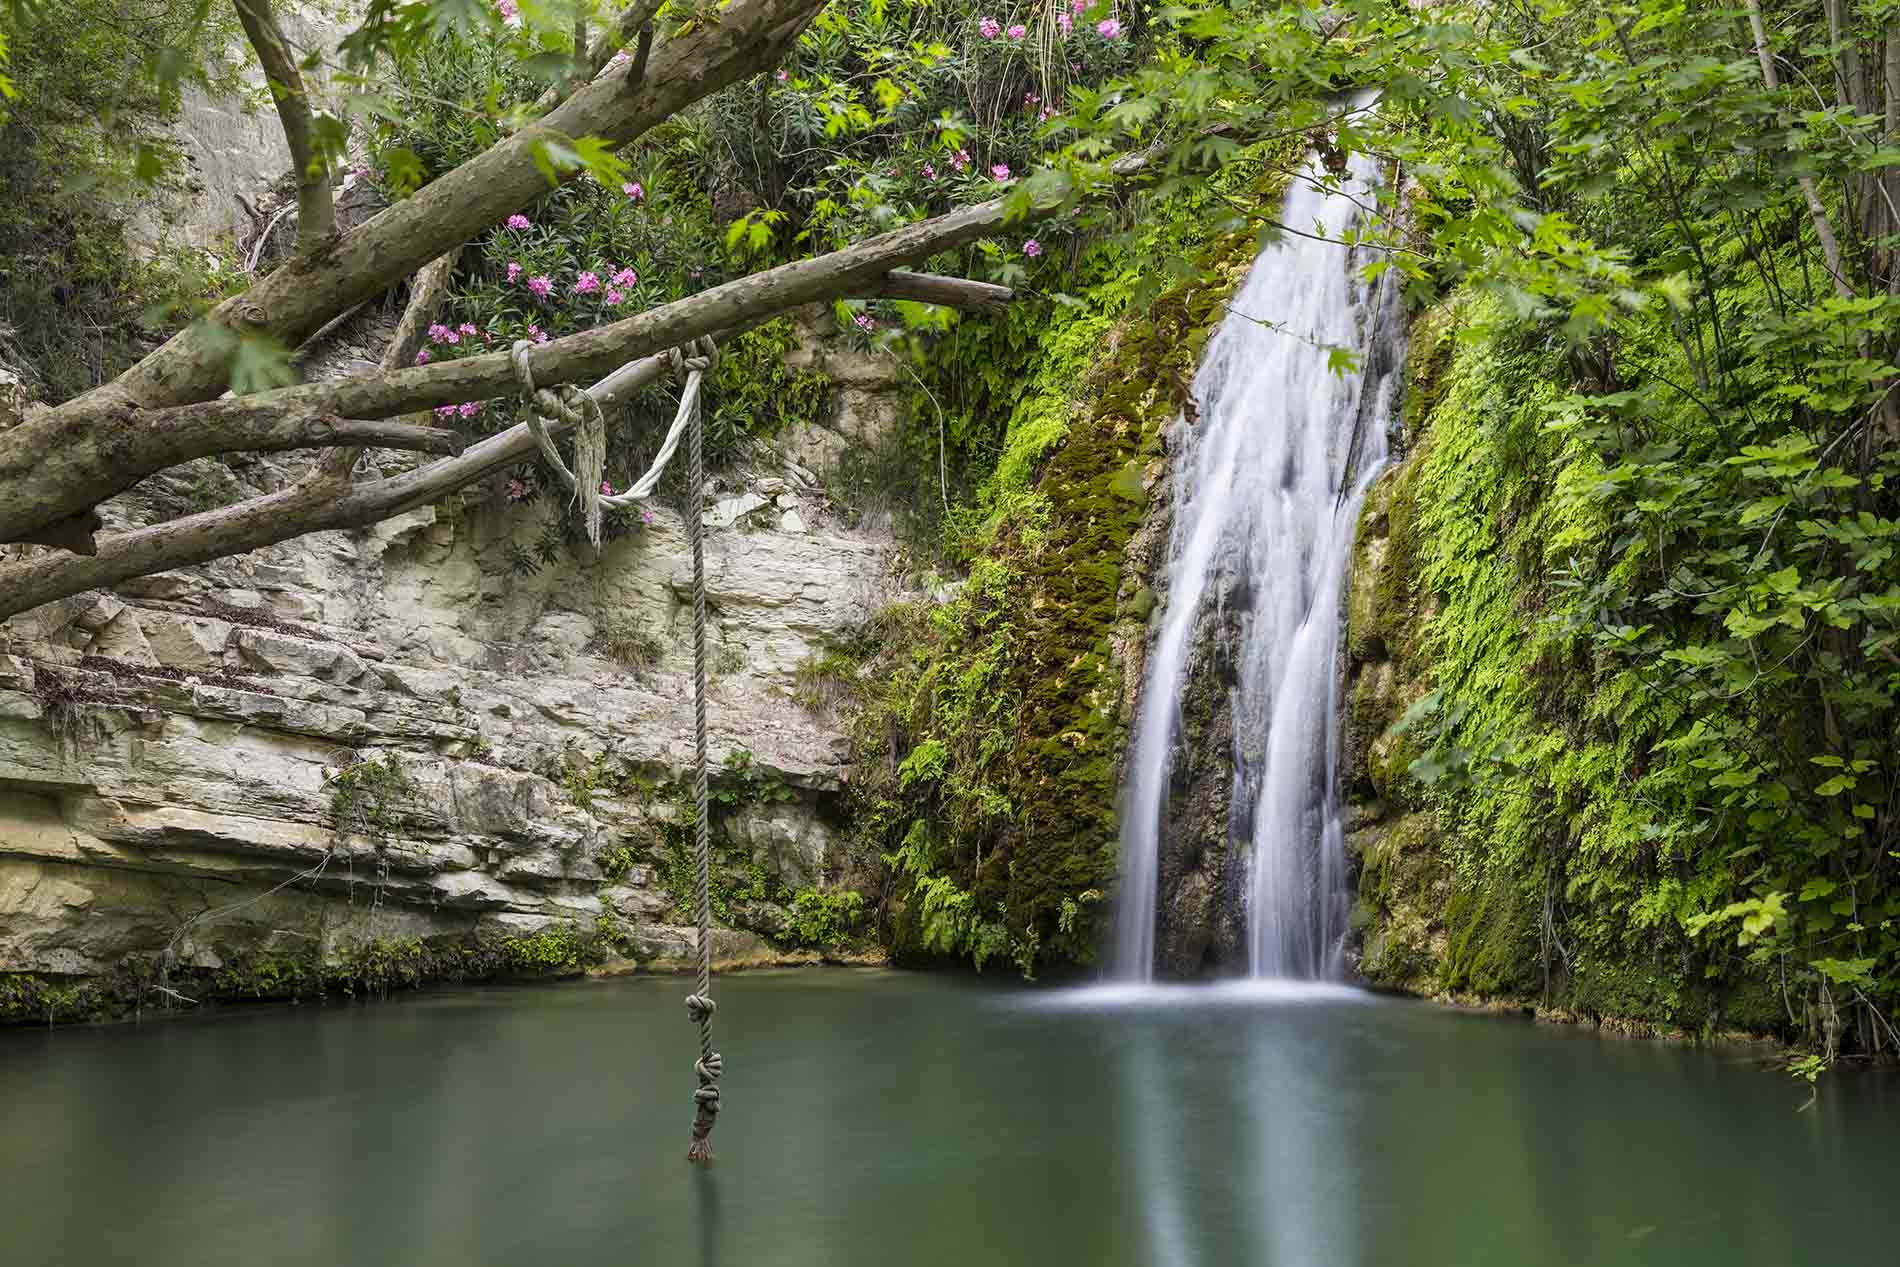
(1462,888)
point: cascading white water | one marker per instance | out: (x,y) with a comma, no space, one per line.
(1267,492)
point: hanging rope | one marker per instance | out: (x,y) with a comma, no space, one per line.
(578,409)
(699,1005)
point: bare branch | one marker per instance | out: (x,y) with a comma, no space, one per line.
(146,441)
(950,292)
(390,434)
(1817,210)
(316,213)
(426,295)
(328,500)
(323,500)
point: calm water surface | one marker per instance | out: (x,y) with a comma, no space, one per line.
(883,1118)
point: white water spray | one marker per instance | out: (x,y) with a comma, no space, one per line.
(1267,493)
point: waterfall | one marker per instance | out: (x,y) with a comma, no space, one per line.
(1267,489)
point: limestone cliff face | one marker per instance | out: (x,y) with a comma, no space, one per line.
(394,733)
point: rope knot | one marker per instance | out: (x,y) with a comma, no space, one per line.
(700,1008)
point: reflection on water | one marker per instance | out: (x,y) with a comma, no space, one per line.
(876,1118)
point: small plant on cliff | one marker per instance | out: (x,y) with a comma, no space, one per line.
(823,919)
(366,795)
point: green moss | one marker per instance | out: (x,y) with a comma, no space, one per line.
(985,749)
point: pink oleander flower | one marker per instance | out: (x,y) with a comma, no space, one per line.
(1000,171)
(517,221)
(422,357)
(534,332)
(451,338)
(514,272)
(467,328)
(470,409)
(540,336)
(616,297)
(587,283)
(1078,7)
(1030,99)
(633,190)
(438,333)
(625,277)
(1042,115)
(1064,24)
(508,10)
(540,285)
(646,516)
(607,488)
(988,28)
(360,172)
(1032,248)
(863,321)
(1109,29)
(930,173)
(960,159)
(517,491)
(783,75)
(1017,31)
(445,411)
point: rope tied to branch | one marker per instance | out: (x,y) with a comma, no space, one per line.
(577,408)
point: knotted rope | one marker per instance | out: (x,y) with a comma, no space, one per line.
(576,407)
(699,1005)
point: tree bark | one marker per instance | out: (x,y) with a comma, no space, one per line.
(316,212)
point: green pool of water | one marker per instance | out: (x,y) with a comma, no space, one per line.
(886,1118)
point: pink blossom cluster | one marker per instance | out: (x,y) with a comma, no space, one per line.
(517,221)
(960,160)
(517,491)
(988,28)
(540,285)
(466,410)
(863,321)
(633,190)
(509,11)
(536,333)
(1109,29)
(1017,31)
(587,283)
(1032,248)
(1064,24)
(514,272)
(1000,171)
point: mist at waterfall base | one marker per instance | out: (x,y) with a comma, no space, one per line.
(1267,490)
(876,1117)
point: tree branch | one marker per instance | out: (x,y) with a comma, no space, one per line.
(950,292)
(327,500)
(323,500)
(1817,210)
(67,458)
(146,441)
(428,293)
(316,213)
